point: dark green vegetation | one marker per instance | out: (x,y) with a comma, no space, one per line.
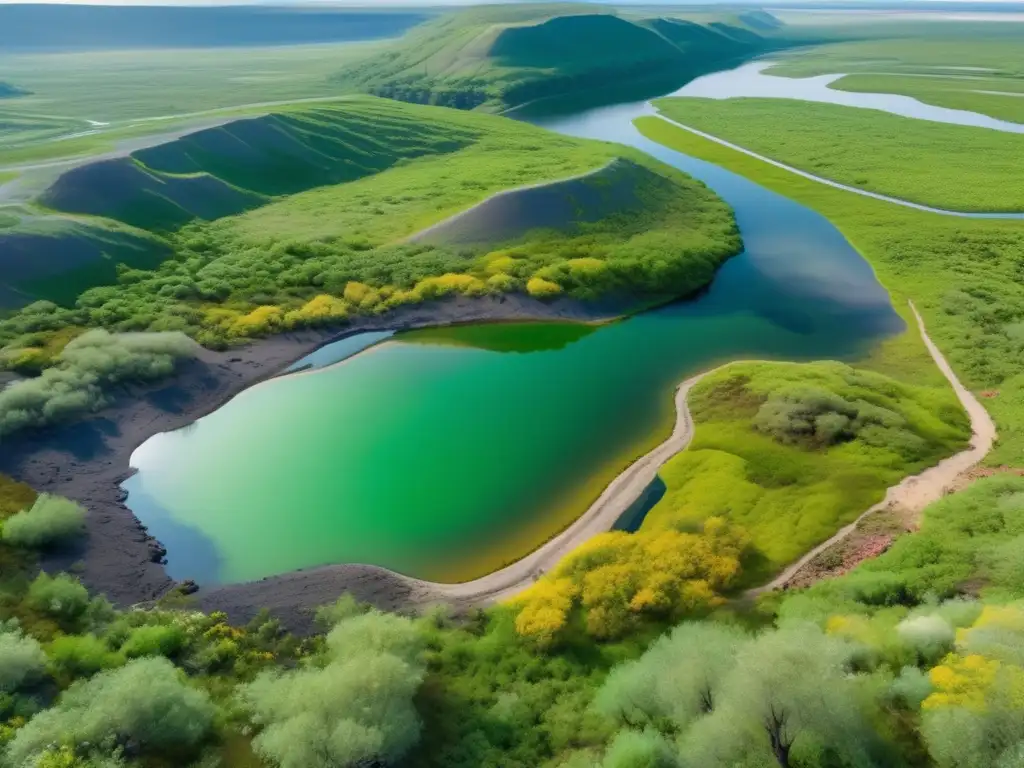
(970,67)
(946,166)
(376,173)
(493,58)
(59,257)
(793,452)
(973,319)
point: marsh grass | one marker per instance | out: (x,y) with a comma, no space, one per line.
(963,275)
(954,167)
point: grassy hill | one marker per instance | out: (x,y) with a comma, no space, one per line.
(493,58)
(56,258)
(309,216)
(245,163)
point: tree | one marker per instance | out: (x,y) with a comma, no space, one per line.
(679,679)
(21,658)
(60,596)
(639,749)
(787,691)
(144,707)
(355,709)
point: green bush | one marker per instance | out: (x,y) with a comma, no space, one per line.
(74,656)
(21,659)
(50,520)
(959,538)
(355,710)
(62,596)
(153,640)
(88,366)
(144,706)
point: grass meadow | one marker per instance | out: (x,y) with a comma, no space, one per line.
(963,275)
(946,166)
(123,86)
(792,452)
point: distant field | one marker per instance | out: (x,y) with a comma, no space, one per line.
(120,86)
(945,166)
(952,70)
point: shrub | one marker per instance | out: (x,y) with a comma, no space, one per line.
(355,710)
(153,640)
(540,288)
(633,749)
(145,705)
(60,596)
(929,637)
(21,659)
(617,579)
(72,656)
(87,367)
(50,520)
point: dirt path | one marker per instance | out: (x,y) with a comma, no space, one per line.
(916,492)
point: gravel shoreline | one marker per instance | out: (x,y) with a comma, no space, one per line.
(88,460)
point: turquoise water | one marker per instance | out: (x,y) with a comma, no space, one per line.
(448,453)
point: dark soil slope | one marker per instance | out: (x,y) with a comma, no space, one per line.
(126,190)
(243,164)
(620,187)
(65,258)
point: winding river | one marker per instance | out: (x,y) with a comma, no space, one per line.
(445,454)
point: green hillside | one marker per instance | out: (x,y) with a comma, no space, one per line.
(494,58)
(311,216)
(56,258)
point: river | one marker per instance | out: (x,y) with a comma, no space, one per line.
(445,454)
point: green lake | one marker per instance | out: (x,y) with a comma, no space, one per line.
(446,453)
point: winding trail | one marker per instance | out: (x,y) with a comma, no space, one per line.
(916,492)
(836,184)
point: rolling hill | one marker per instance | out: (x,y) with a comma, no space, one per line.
(310,214)
(495,58)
